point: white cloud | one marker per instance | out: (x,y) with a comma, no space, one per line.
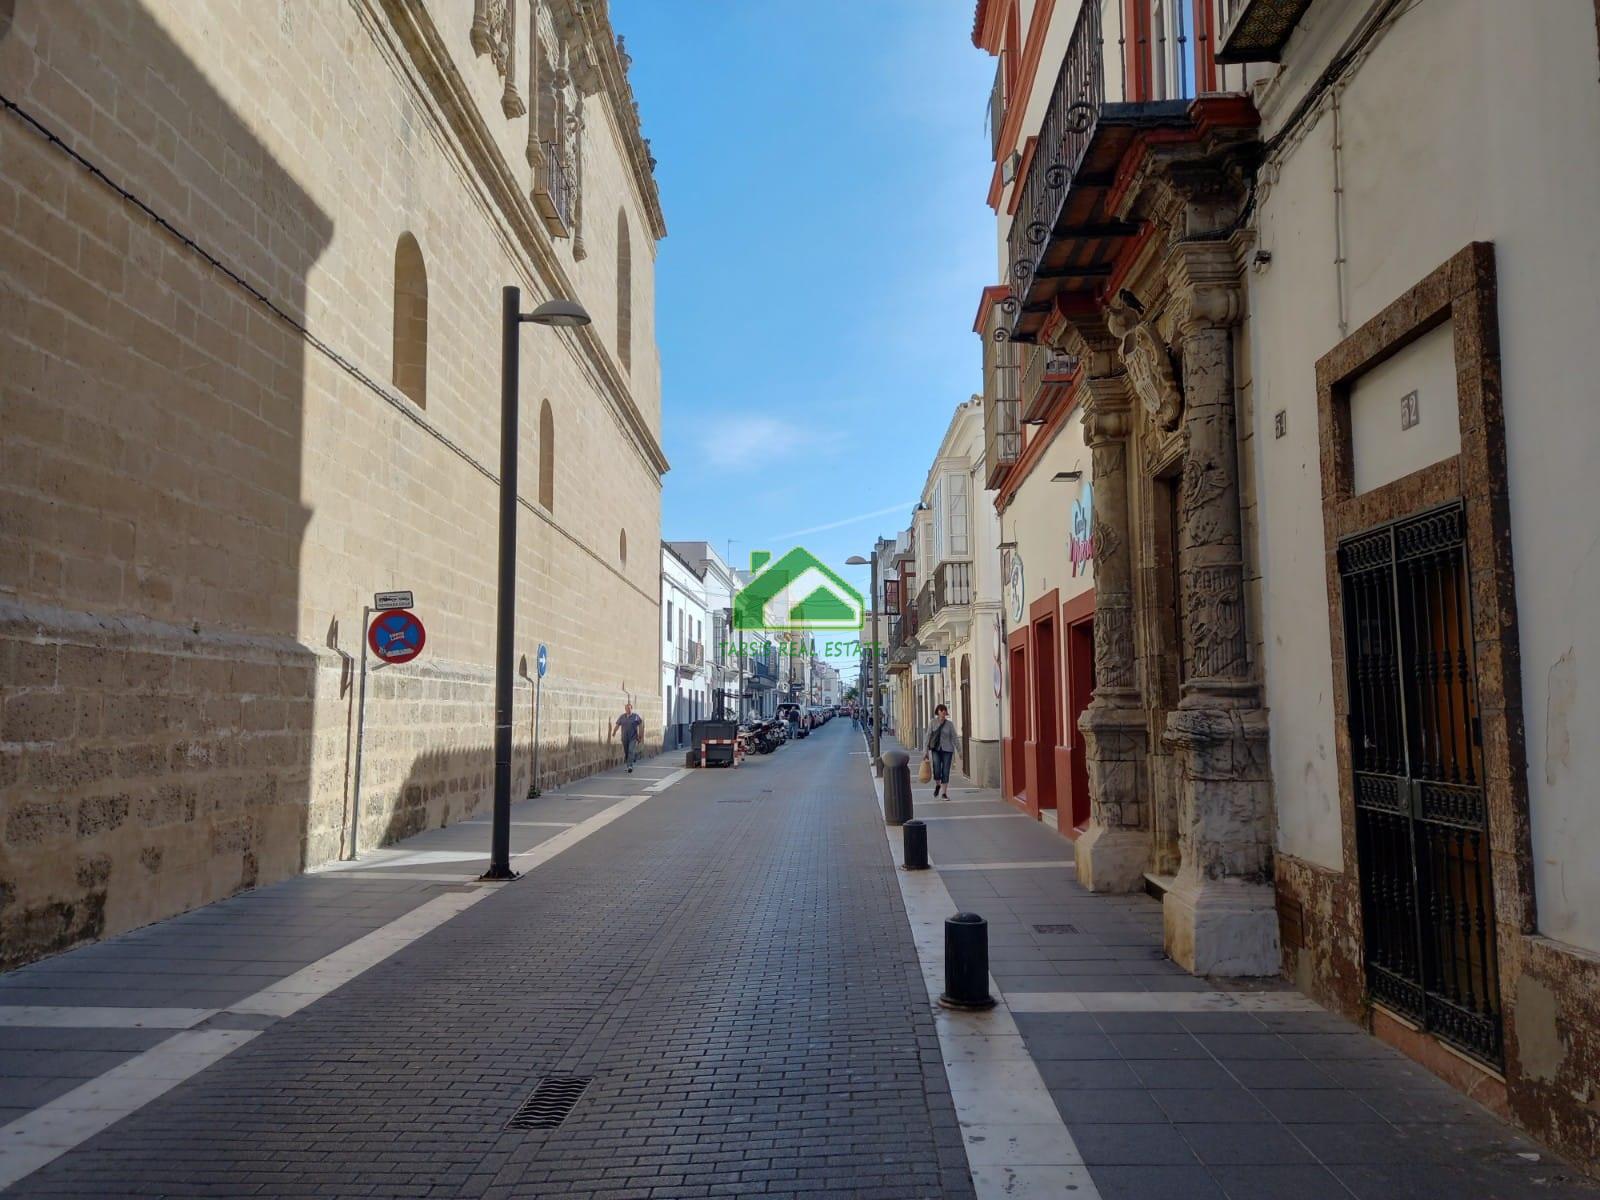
(759,443)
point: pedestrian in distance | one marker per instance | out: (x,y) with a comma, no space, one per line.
(632,725)
(941,748)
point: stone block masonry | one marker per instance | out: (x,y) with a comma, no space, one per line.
(205,470)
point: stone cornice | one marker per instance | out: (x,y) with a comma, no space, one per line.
(596,19)
(424,49)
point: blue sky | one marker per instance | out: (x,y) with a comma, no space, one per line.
(823,172)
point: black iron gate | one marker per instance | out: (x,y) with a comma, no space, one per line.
(1421,825)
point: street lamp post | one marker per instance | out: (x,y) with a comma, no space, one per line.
(874,648)
(551,312)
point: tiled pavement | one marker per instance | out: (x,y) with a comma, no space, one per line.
(727,954)
(728,960)
(1241,1096)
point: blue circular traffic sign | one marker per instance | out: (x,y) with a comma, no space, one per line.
(544,659)
(396,636)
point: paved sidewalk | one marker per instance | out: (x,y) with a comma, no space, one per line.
(1179,1087)
(724,960)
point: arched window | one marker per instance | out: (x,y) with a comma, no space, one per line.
(547,457)
(624,293)
(622,546)
(410,321)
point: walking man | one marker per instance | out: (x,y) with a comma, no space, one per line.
(631,724)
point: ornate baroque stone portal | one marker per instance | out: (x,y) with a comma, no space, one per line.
(1113,853)
(1220,917)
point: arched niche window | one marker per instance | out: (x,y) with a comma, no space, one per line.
(622,546)
(547,457)
(624,292)
(410,321)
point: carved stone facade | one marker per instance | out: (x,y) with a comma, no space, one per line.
(195,496)
(1176,735)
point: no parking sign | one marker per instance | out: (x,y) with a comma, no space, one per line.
(396,636)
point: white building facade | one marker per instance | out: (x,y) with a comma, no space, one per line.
(1324,274)
(685,691)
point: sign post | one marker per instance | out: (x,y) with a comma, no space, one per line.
(395,635)
(361,719)
(542,662)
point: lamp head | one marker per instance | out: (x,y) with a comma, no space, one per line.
(855,560)
(558,312)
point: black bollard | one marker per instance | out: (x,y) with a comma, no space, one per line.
(896,787)
(966,962)
(915,846)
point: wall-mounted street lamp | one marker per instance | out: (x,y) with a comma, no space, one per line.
(561,314)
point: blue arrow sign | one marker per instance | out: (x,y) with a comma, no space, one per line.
(544,659)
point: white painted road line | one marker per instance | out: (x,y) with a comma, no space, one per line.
(1018,1147)
(49,1131)
(35,1016)
(1160,1002)
(667,781)
(1058,864)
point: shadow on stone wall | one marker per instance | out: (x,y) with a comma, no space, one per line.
(155,730)
(445,786)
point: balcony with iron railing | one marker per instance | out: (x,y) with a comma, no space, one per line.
(690,657)
(1062,239)
(997,105)
(552,190)
(952,586)
(1047,375)
(1002,425)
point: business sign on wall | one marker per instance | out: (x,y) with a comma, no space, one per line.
(929,662)
(1080,544)
(1015,606)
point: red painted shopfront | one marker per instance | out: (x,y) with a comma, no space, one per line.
(1051,677)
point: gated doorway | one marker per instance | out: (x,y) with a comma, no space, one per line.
(1416,752)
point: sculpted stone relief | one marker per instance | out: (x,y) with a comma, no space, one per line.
(1148,361)
(494,32)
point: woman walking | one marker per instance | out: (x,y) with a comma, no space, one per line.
(941,749)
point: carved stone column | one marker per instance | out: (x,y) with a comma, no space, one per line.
(1114,851)
(1220,916)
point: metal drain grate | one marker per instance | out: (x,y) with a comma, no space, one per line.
(552,1101)
(1055,929)
(736,800)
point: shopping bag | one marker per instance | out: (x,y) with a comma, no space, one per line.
(926,773)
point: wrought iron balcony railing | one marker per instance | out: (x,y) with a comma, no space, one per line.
(1064,135)
(552,190)
(691,655)
(952,585)
(1046,371)
(997,106)
(1002,427)
(1158,59)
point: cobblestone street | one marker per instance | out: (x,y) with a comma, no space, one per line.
(725,957)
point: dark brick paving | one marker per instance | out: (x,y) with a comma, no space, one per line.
(730,961)
(1216,1105)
